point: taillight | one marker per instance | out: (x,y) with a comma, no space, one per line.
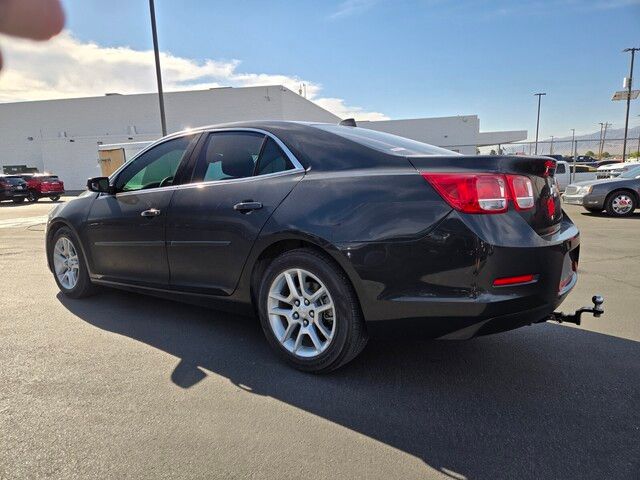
(521,191)
(471,192)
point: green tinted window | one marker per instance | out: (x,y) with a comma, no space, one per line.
(154,168)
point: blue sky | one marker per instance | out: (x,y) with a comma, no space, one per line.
(405,58)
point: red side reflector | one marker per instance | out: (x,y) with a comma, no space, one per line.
(517,280)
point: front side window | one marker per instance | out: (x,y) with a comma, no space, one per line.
(154,168)
(560,168)
(228,155)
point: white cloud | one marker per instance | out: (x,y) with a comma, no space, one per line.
(65,67)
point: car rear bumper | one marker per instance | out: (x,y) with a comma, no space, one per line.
(443,282)
(11,194)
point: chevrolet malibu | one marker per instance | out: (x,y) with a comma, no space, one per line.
(325,231)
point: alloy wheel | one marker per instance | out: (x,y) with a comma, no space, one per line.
(65,263)
(301,313)
(622,204)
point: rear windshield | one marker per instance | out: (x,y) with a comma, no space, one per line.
(13,180)
(386,142)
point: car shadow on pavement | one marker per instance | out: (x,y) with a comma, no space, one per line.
(541,402)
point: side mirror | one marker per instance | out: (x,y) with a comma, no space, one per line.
(99,184)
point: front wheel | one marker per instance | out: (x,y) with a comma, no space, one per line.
(32,197)
(18,200)
(69,266)
(620,204)
(309,311)
(55,198)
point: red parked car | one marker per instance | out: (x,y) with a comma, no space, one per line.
(43,185)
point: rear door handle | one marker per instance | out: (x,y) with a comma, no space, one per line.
(248,206)
(152,212)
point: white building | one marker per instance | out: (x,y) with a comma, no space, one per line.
(63,136)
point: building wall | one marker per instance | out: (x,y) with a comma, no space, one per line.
(62,136)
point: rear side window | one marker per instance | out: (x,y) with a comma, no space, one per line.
(272,159)
(386,142)
(228,155)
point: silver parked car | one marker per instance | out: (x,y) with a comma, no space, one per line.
(619,196)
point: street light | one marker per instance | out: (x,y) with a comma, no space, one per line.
(539,95)
(630,82)
(156,52)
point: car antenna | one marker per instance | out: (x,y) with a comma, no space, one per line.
(348,122)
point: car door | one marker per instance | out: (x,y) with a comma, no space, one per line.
(126,230)
(239,179)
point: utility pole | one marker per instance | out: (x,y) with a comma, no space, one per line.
(629,84)
(600,142)
(573,155)
(156,52)
(551,148)
(604,136)
(539,95)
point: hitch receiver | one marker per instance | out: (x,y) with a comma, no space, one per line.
(574,317)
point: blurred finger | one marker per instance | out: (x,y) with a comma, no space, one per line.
(36,19)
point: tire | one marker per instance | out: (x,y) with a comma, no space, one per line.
(82,287)
(55,198)
(621,203)
(593,210)
(18,200)
(32,197)
(344,321)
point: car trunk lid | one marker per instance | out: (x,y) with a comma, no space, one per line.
(546,213)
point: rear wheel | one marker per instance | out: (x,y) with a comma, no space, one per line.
(309,312)
(18,200)
(32,196)
(69,266)
(621,203)
(55,198)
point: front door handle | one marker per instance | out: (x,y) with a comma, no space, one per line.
(248,206)
(152,212)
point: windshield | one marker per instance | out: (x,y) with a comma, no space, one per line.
(386,142)
(631,173)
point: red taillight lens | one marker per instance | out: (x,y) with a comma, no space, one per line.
(517,280)
(521,191)
(471,192)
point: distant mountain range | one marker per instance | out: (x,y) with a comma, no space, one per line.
(562,145)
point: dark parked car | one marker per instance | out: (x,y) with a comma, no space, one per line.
(326,230)
(619,196)
(43,185)
(13,187)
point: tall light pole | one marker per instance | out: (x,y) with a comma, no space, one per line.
(630,82)
(156,52)
(551,148)
(539,95)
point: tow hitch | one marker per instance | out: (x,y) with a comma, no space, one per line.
(574,317)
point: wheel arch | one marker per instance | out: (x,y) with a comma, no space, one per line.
(630,190)
(271,250)
(55,225)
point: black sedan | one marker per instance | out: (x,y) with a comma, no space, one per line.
(325,231)
(619,196)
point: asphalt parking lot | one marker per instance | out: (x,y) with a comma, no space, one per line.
(126,386)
